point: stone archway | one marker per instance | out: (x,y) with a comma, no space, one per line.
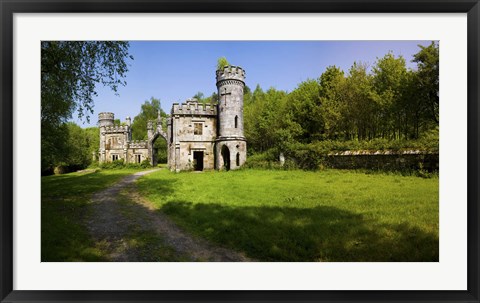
(226,157)
(153,135)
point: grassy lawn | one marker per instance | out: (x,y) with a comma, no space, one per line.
(330,215)
(64,208)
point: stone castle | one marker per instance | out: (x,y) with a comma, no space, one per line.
(199,136)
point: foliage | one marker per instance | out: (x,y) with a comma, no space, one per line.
(120,164)
(78,144)
(117,164)
(212,99)
(149,112)
(264,160)
(145,164)
(288,216)
(386,106)
(222,62)
(70,71)
(428,80)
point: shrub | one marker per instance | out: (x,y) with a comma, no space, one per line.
(265,160)
(132,165)
(113,165)
(145,164)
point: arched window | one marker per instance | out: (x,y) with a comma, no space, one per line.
(236,121)
(238,159)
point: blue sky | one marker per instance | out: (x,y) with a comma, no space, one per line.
(173,71)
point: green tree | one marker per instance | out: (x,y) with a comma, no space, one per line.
(268,124)
(389,77)
(70,72)
(332,87)
(93,139)
(305,103)
(149,111)
(199,96)
(78,155)
(427,60)
(361,114)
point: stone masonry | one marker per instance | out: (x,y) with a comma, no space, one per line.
(116,141)
(199,136)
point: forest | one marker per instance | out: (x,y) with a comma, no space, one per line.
(382,106)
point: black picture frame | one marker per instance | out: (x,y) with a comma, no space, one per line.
(9,7)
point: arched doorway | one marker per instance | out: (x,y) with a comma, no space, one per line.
(158,149)
(226,157)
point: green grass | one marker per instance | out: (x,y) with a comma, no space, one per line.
(64,208)
(329,215)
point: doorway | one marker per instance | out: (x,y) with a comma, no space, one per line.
(226,157)
(198,160)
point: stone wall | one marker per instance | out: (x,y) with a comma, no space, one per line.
(384,160)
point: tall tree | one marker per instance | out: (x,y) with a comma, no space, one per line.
(149,111)
(70,72)
(332,86)
(306,104)
(389,78)
(428,78)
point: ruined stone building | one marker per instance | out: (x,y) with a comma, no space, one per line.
(116,141)
(199,136)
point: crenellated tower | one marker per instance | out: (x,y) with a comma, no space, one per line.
(104,120)
(231,145)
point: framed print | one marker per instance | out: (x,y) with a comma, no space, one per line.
(321,168)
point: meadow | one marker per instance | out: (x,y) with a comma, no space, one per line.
(269,215)
(330,215)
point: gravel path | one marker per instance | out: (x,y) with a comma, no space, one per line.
(121,218)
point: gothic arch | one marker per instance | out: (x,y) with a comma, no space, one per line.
(159,133)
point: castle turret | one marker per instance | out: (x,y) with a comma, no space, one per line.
(104,120)
(231,145)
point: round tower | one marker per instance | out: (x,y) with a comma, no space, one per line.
(231,146)
(104,120)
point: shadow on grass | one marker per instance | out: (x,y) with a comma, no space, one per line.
(314,234)
(64,206)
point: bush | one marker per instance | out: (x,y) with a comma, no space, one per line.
(132,165)
(113,165)
(145,164)
(265,160)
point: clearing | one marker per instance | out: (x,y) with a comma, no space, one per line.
(264,215)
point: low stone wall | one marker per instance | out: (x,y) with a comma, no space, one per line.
(384,160)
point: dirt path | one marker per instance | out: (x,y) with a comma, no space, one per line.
(128,228)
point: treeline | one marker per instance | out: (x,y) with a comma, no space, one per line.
(376,106)
(74,148)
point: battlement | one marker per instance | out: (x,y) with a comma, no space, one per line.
(138,144)
(105,119)
(117,129)
(192,107)
(106,116)
(230,73)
